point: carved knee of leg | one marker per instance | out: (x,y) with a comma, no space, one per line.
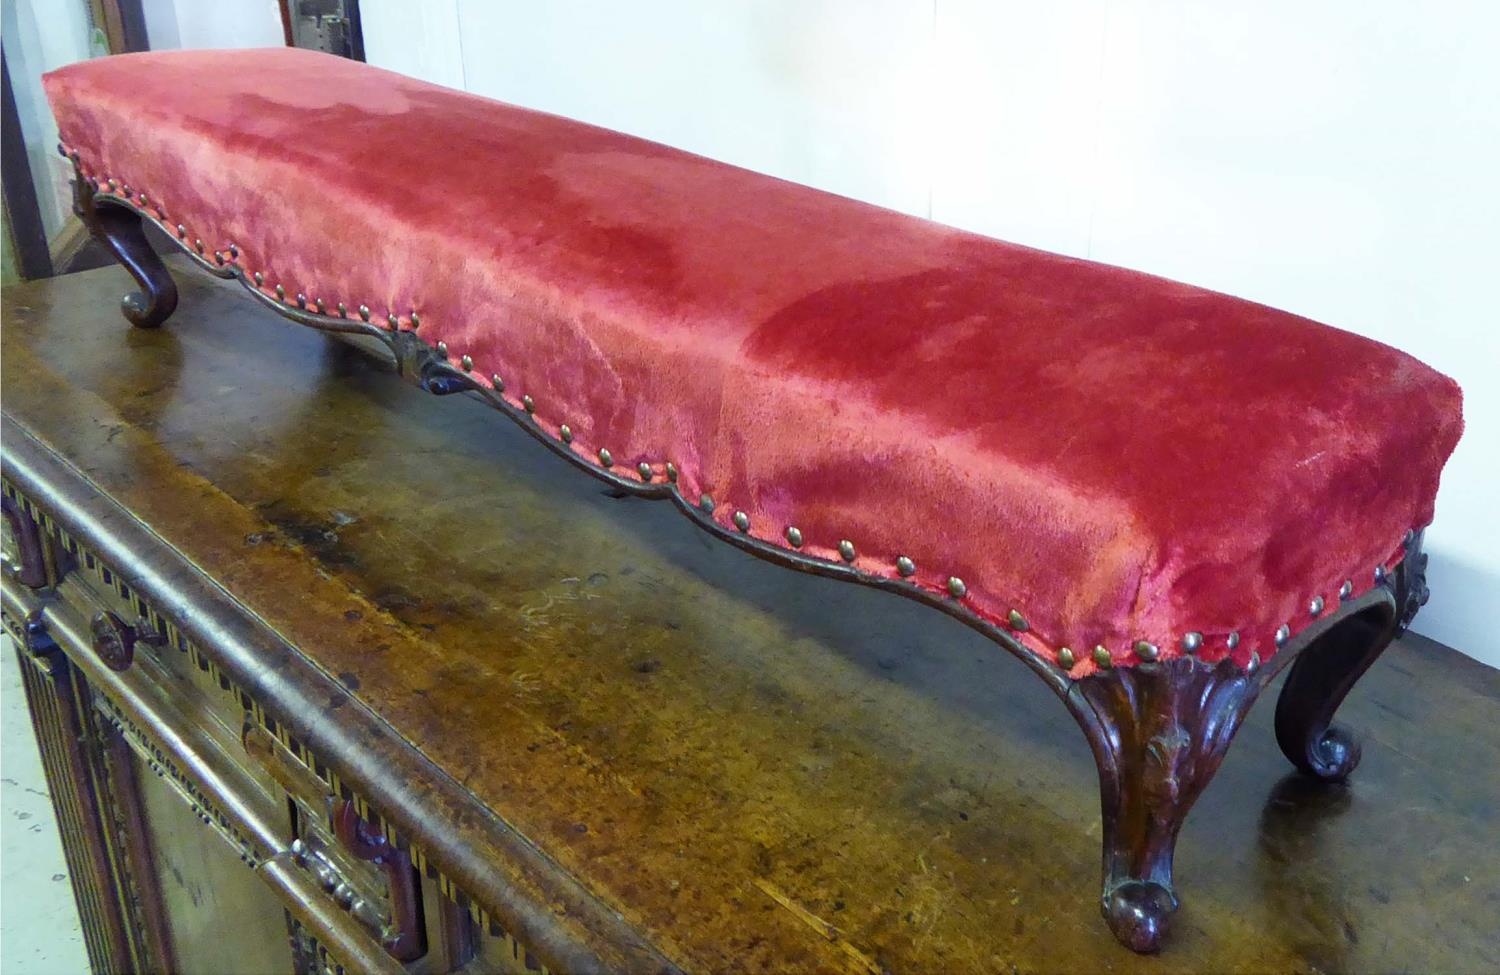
(1159,733)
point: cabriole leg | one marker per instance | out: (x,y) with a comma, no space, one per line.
(1316,685)
(1322,676)
(119,228)
(1158,732)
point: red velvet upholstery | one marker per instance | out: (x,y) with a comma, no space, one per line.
(1116,456)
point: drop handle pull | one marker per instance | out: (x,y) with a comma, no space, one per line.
(404,938)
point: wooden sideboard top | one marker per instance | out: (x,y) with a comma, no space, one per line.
(757,770)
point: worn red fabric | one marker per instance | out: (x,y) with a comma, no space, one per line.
(1116,456)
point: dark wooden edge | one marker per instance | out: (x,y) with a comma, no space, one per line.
(124,23)
(532,896)
(286,22)
(33,259)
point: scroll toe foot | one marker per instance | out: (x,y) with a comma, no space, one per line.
(1138,913)
(1335,755)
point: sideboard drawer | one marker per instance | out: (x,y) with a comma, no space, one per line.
(171,755)
(179,756)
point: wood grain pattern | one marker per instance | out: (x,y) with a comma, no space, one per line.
(757,771)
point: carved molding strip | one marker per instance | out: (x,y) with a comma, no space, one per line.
(161,763)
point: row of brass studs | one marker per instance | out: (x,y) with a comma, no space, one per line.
(905,567)
(1148,652)
(1193,642)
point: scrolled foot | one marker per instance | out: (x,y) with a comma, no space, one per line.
(119,229)
(145,311)
(1333,756)
(1139,913)
(1317,683)
(1327,669)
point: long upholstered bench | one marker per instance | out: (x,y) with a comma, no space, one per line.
(1154,495)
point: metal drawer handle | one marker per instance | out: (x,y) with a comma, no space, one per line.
(114,640)
(404,939)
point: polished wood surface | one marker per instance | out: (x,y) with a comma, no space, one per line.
(758,770)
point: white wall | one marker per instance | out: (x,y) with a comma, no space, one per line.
(41,35)
(1337,159)
(419,39)
(44,34)
(220,23)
